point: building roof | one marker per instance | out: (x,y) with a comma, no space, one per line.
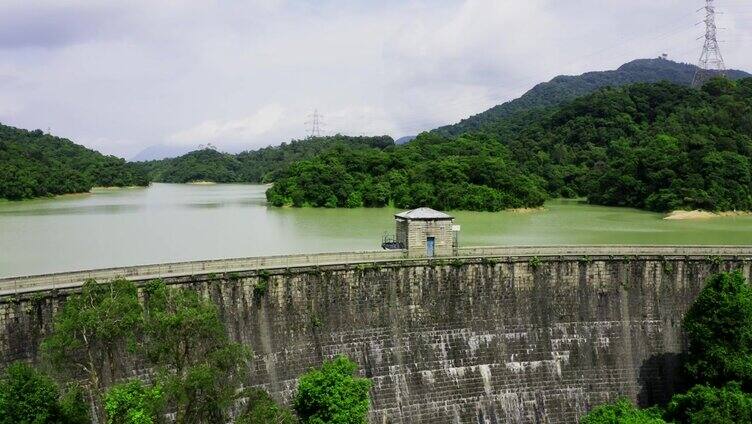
(424,214)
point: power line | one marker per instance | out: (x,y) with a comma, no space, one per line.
(711,60)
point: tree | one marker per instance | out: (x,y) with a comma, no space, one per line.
(29,397)
(261,409)
(133,402)
(197,366)
(622,412)
(333,394)
(718,326)
(96,330)
(711,405)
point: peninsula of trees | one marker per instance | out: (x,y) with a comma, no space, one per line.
(35,164)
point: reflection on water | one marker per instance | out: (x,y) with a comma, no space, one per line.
(168,222)
(71,210)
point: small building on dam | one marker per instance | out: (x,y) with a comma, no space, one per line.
(425,232)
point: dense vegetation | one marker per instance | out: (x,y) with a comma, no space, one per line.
(28,396)
(34,164)
(654,146)
(472,172)
(256,166)
(196,373)
(718,327)
(622,412)
(565,88)
(332,394)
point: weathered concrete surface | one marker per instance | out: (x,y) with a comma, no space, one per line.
(515,339)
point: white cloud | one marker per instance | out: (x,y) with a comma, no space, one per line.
(243,129)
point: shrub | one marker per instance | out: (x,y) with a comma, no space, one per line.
(261,409)
(333,394)
(622,412)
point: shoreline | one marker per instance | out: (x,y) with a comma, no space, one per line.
(525,210)
(111,188)
(682,215)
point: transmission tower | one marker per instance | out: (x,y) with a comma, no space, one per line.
(711,61)
(315,123)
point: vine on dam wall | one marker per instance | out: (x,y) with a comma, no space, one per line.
(521,339)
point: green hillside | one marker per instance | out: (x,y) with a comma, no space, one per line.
(34,164)
(256,166)
(564,88)
(657,146)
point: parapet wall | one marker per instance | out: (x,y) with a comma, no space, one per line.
(518,339)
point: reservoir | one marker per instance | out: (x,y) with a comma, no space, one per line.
(174,222)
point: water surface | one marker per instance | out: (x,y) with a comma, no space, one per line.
(172,222)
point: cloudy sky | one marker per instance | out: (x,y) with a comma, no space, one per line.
(119,76)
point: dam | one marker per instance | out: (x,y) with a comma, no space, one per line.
(487,335)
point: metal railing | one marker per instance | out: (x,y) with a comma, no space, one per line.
(146,272)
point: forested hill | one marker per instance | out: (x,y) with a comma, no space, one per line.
(256,166)
(34,164)
(564,88)
(656,146)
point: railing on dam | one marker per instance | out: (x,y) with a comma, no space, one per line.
(146,272)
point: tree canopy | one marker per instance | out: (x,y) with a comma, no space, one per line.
(261,409)
(35,164)
(332,394)
(622,411)
(198,366)
(133,402)
(257,166)
(94,332)
(718,327)
(28,396)
(711,405)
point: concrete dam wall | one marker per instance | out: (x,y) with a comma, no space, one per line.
(484,338)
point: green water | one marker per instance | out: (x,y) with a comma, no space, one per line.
(168,223)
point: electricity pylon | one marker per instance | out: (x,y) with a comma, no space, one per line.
(315,124)
(711,61)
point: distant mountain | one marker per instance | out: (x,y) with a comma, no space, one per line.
(160,151)
(35,164)
(251,166)
(404,140)
(564,88)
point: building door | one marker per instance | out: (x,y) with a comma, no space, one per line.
(430,244)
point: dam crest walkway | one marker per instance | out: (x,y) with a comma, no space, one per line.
(65,280)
